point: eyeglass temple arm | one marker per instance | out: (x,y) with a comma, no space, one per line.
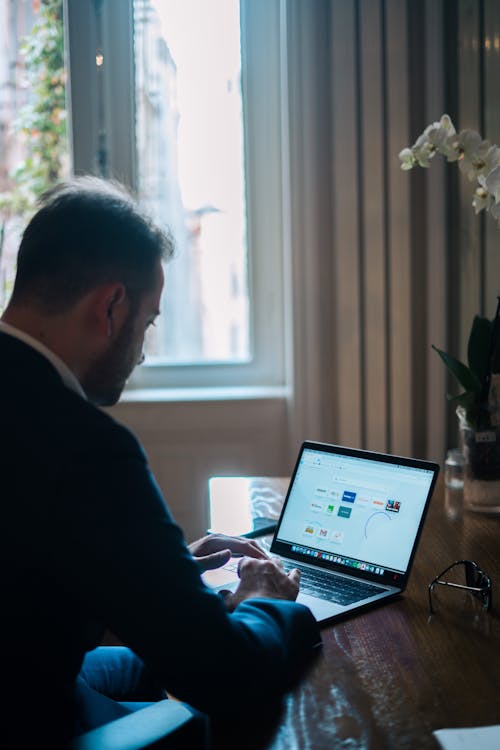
(455,586)
(460,586)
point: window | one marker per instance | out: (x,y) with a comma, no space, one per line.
(190,169)
(130,119)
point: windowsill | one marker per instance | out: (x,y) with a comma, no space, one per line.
(242,393)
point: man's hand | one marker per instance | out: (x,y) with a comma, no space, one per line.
(264,579)
(215,550)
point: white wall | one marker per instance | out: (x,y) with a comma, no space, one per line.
(189,441)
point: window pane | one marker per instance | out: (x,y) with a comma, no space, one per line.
(190,149)
(33,143)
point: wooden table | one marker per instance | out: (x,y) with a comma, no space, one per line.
(388,677)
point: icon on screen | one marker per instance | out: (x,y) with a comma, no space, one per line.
(393,505)
(348,497)
(344,512)
(316,507)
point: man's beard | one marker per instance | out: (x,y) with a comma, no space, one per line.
(108,374)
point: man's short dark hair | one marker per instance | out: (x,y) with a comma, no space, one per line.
(87,231)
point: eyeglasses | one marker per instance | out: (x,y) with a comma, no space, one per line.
(476,582)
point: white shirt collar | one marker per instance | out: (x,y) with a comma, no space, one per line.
(68,378)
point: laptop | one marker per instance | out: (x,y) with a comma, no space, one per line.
(351,521)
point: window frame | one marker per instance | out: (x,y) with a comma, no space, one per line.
(95,125)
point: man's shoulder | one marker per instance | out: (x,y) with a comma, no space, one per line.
(91,425)
(95,423)
(33,393)
(21,365)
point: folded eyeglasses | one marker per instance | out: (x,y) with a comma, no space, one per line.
(476,582)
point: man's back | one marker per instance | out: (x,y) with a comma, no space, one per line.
(43,630)
(89,545)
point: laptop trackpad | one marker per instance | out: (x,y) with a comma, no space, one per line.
(220,578)
(321,608)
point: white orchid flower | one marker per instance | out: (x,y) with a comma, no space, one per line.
(446,124)
(406,156)
(492,183)
(481,200)
(461,145)
(479,162)
(439,132)
(495,212)
(423,150)
(491,161)
(426,145)
(478,159)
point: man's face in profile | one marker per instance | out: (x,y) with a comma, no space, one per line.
(109,373)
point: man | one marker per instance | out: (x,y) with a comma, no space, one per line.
(88,543)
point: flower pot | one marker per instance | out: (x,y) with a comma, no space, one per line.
(481,450)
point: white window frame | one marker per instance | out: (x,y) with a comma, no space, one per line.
(264,92)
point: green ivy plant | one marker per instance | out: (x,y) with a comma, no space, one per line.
(41,123)
(475,377)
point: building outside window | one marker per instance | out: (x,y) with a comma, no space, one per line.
(210,160)
(190,156)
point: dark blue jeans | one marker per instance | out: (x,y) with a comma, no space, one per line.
(113,682)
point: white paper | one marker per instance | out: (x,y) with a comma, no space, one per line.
(475,738)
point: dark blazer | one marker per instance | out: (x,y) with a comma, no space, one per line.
(88,544)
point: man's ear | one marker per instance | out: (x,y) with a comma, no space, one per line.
(110,307)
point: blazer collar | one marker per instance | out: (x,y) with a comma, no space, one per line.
(68,378)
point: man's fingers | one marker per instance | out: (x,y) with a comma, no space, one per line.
(259,552)
(265,578)
(294,575)
(214,560)
(246,547)
(276,562)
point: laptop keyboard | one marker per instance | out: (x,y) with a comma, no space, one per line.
(332,588)
(326,586)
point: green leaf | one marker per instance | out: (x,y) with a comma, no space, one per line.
(466,400)
(478,349)
(41,124)
(495,354)
(467,379)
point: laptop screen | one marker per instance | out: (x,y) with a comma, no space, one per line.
(355,509)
